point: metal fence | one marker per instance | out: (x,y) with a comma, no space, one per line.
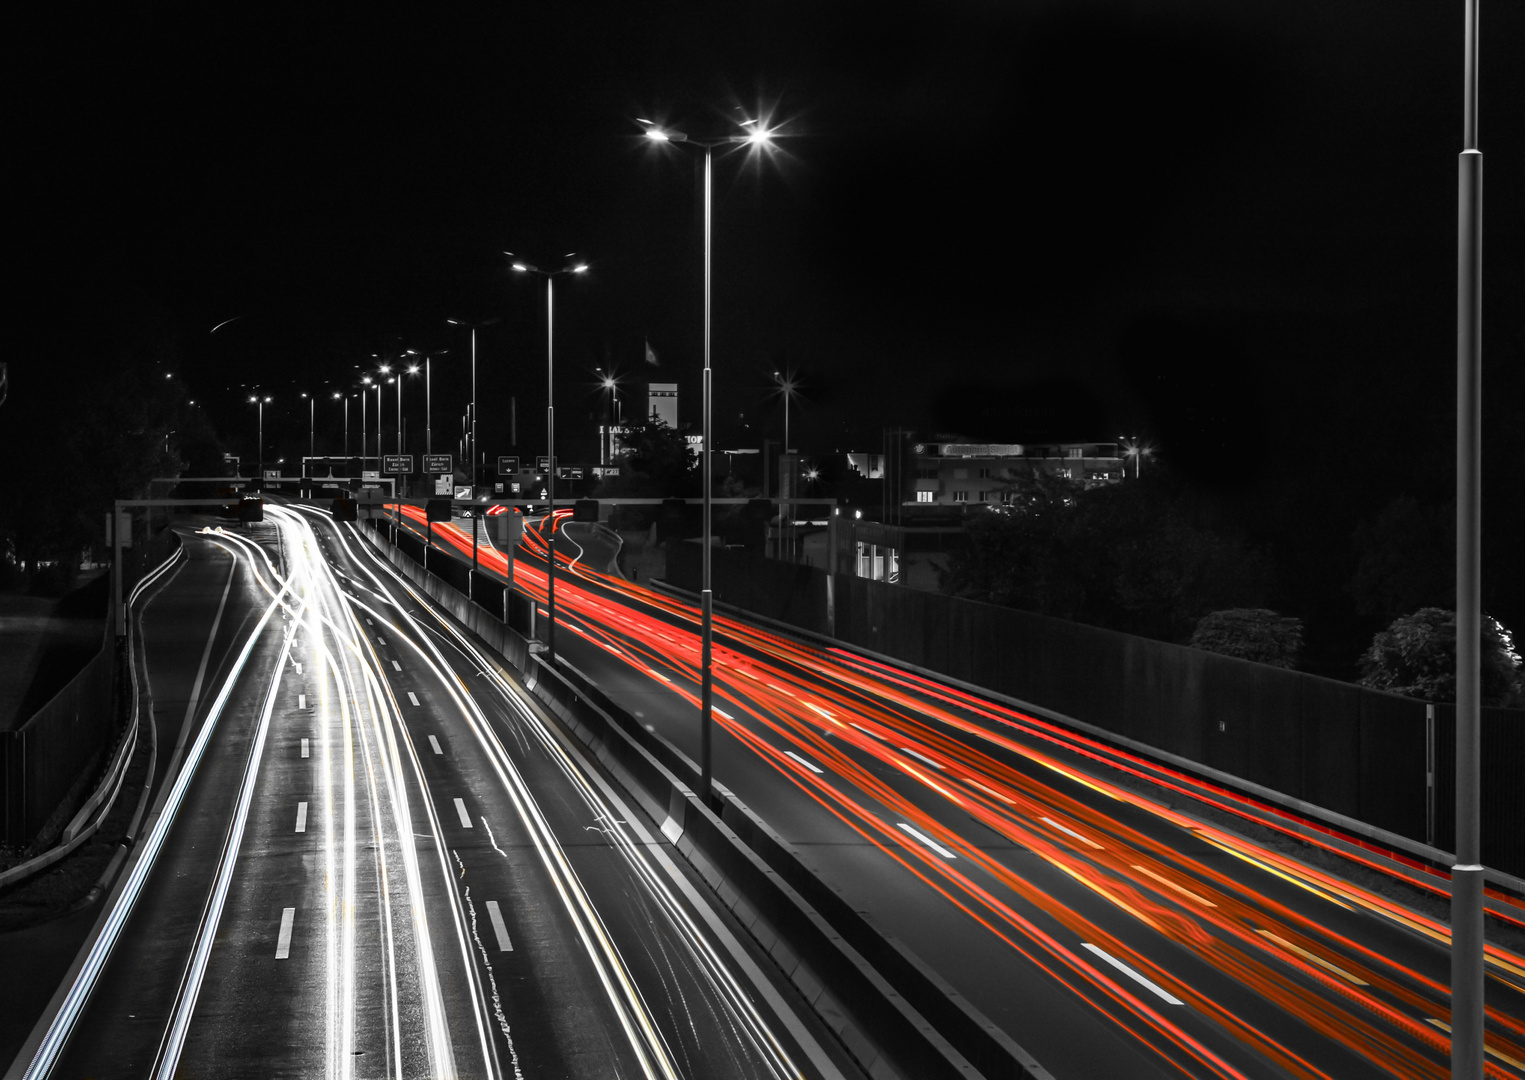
(1357,752)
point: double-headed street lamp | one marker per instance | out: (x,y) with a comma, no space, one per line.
(754,133)
(428,393)
(471,438)
(259,447)
(550,433)
(344,398)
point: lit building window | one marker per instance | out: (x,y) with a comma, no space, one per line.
(923,496)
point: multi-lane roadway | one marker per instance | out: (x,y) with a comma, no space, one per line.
(1101,910)
(372,856)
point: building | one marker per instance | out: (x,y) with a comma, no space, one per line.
(662,402)
(964,475)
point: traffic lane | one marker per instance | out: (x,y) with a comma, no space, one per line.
(1366,936)
(178,632)
(1269,1020)
(1426,1034)
(665,964)
(124,1019)
(1260,959)
(563,1013)
(1061,1031)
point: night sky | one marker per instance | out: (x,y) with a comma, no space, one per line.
(1227,227)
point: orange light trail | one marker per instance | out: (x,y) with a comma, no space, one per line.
(847,714)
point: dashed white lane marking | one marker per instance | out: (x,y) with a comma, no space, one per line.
(380,640)
(412,697)
(923,757)
(1505,1058)
(1167,997)
(496,915)
(304,747)
(1076,835)
(368,622)
(813,768)
(301,817)
(396,665)
(933,844)
(435,743)
(1311,957)
(1183,890)
(283,942)
(301,701)
(460,808)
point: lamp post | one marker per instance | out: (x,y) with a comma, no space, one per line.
(365,382)
(259,446)
(787,385)
(471,437)
(344,398)
(1467,1012)
(312,404)
(606,444)
(550,434)
(756,134)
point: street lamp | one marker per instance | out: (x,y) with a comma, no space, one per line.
(787,386)
(606,444)
(550,433)
(311,415)
(1137,451)
(259,447)
(428,393)
(344,398)
(758,135)
(471,473)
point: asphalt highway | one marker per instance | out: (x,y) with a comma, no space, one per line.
(1107,933)
(371,856)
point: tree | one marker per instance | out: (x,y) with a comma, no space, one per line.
(1257,634)
(1406,559)
(655,462)
(1416,657)
(1131,557)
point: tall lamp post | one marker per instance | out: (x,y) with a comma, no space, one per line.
(471,437)
(344,398)
(1467,1012)
(787,386)
(365,384)
(550,434)
(756,134)
(606,444)
(259,447)
(312,405)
